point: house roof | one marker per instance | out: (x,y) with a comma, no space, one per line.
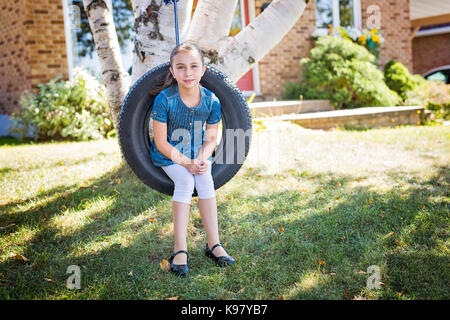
(429,12)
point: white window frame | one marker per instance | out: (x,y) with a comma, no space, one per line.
(357,14)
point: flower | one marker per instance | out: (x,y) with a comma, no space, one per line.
(362,39)
(376,38)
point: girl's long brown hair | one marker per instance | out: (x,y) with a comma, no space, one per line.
(170,81)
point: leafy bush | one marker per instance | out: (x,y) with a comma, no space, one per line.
(433,95)
(371,39)
(398,78)
(65,110)
(293,90)
(417,91)
(344,73)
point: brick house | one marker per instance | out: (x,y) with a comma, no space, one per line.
(38,41)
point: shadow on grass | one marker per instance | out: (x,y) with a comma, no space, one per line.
(290,244)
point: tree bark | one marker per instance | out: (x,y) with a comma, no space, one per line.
(155,32)
(211,24)
(239,54)
(116,79)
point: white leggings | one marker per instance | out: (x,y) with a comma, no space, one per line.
(185,181)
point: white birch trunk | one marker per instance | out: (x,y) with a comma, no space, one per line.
(116,79)
(242,51)
(211,24)
(155,32)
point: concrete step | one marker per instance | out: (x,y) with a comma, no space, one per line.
(370,117)
(277,108)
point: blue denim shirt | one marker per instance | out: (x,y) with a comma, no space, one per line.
(184,124)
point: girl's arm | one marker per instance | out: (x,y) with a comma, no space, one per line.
(209,144)
(160,138)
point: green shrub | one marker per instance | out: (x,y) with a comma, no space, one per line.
(398,78)
(65,110)
(344,73)
(293,91)
(433,95)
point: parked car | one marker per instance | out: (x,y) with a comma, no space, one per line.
(441,73)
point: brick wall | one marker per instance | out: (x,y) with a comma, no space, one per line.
(282,63)
(395,25)
(439,45)
(32,47)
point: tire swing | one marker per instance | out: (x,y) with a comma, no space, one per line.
(135,131)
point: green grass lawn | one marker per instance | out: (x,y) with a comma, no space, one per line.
(305,217)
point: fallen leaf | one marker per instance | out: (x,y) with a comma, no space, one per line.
(8,226)
(388,235)
(173,298)
(337,198)
(2,276)
(322,263)
(47,279)
(281,298)
(131,273)
(281,229)
(347,295)
(241,290)
(164,265)
(362,272)
(18,257)
(65,195)
(151,220)
(332,273)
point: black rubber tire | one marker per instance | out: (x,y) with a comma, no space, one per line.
(133,128)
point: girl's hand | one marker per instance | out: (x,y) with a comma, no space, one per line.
(196,166)
(201,169)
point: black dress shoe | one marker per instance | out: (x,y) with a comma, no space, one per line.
(222,261)
(179,269)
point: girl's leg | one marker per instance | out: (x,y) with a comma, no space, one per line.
(181,204)
(180,213)
(208,212)
(208,209)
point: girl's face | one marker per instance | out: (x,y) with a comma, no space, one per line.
(187,69)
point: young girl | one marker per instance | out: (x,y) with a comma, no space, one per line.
(183,149)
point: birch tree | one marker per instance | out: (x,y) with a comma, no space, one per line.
(208,28)
(116,79)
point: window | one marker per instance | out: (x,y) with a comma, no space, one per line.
(439,76)
(338,13)
(80,39)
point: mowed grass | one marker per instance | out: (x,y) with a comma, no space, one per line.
(306,216)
